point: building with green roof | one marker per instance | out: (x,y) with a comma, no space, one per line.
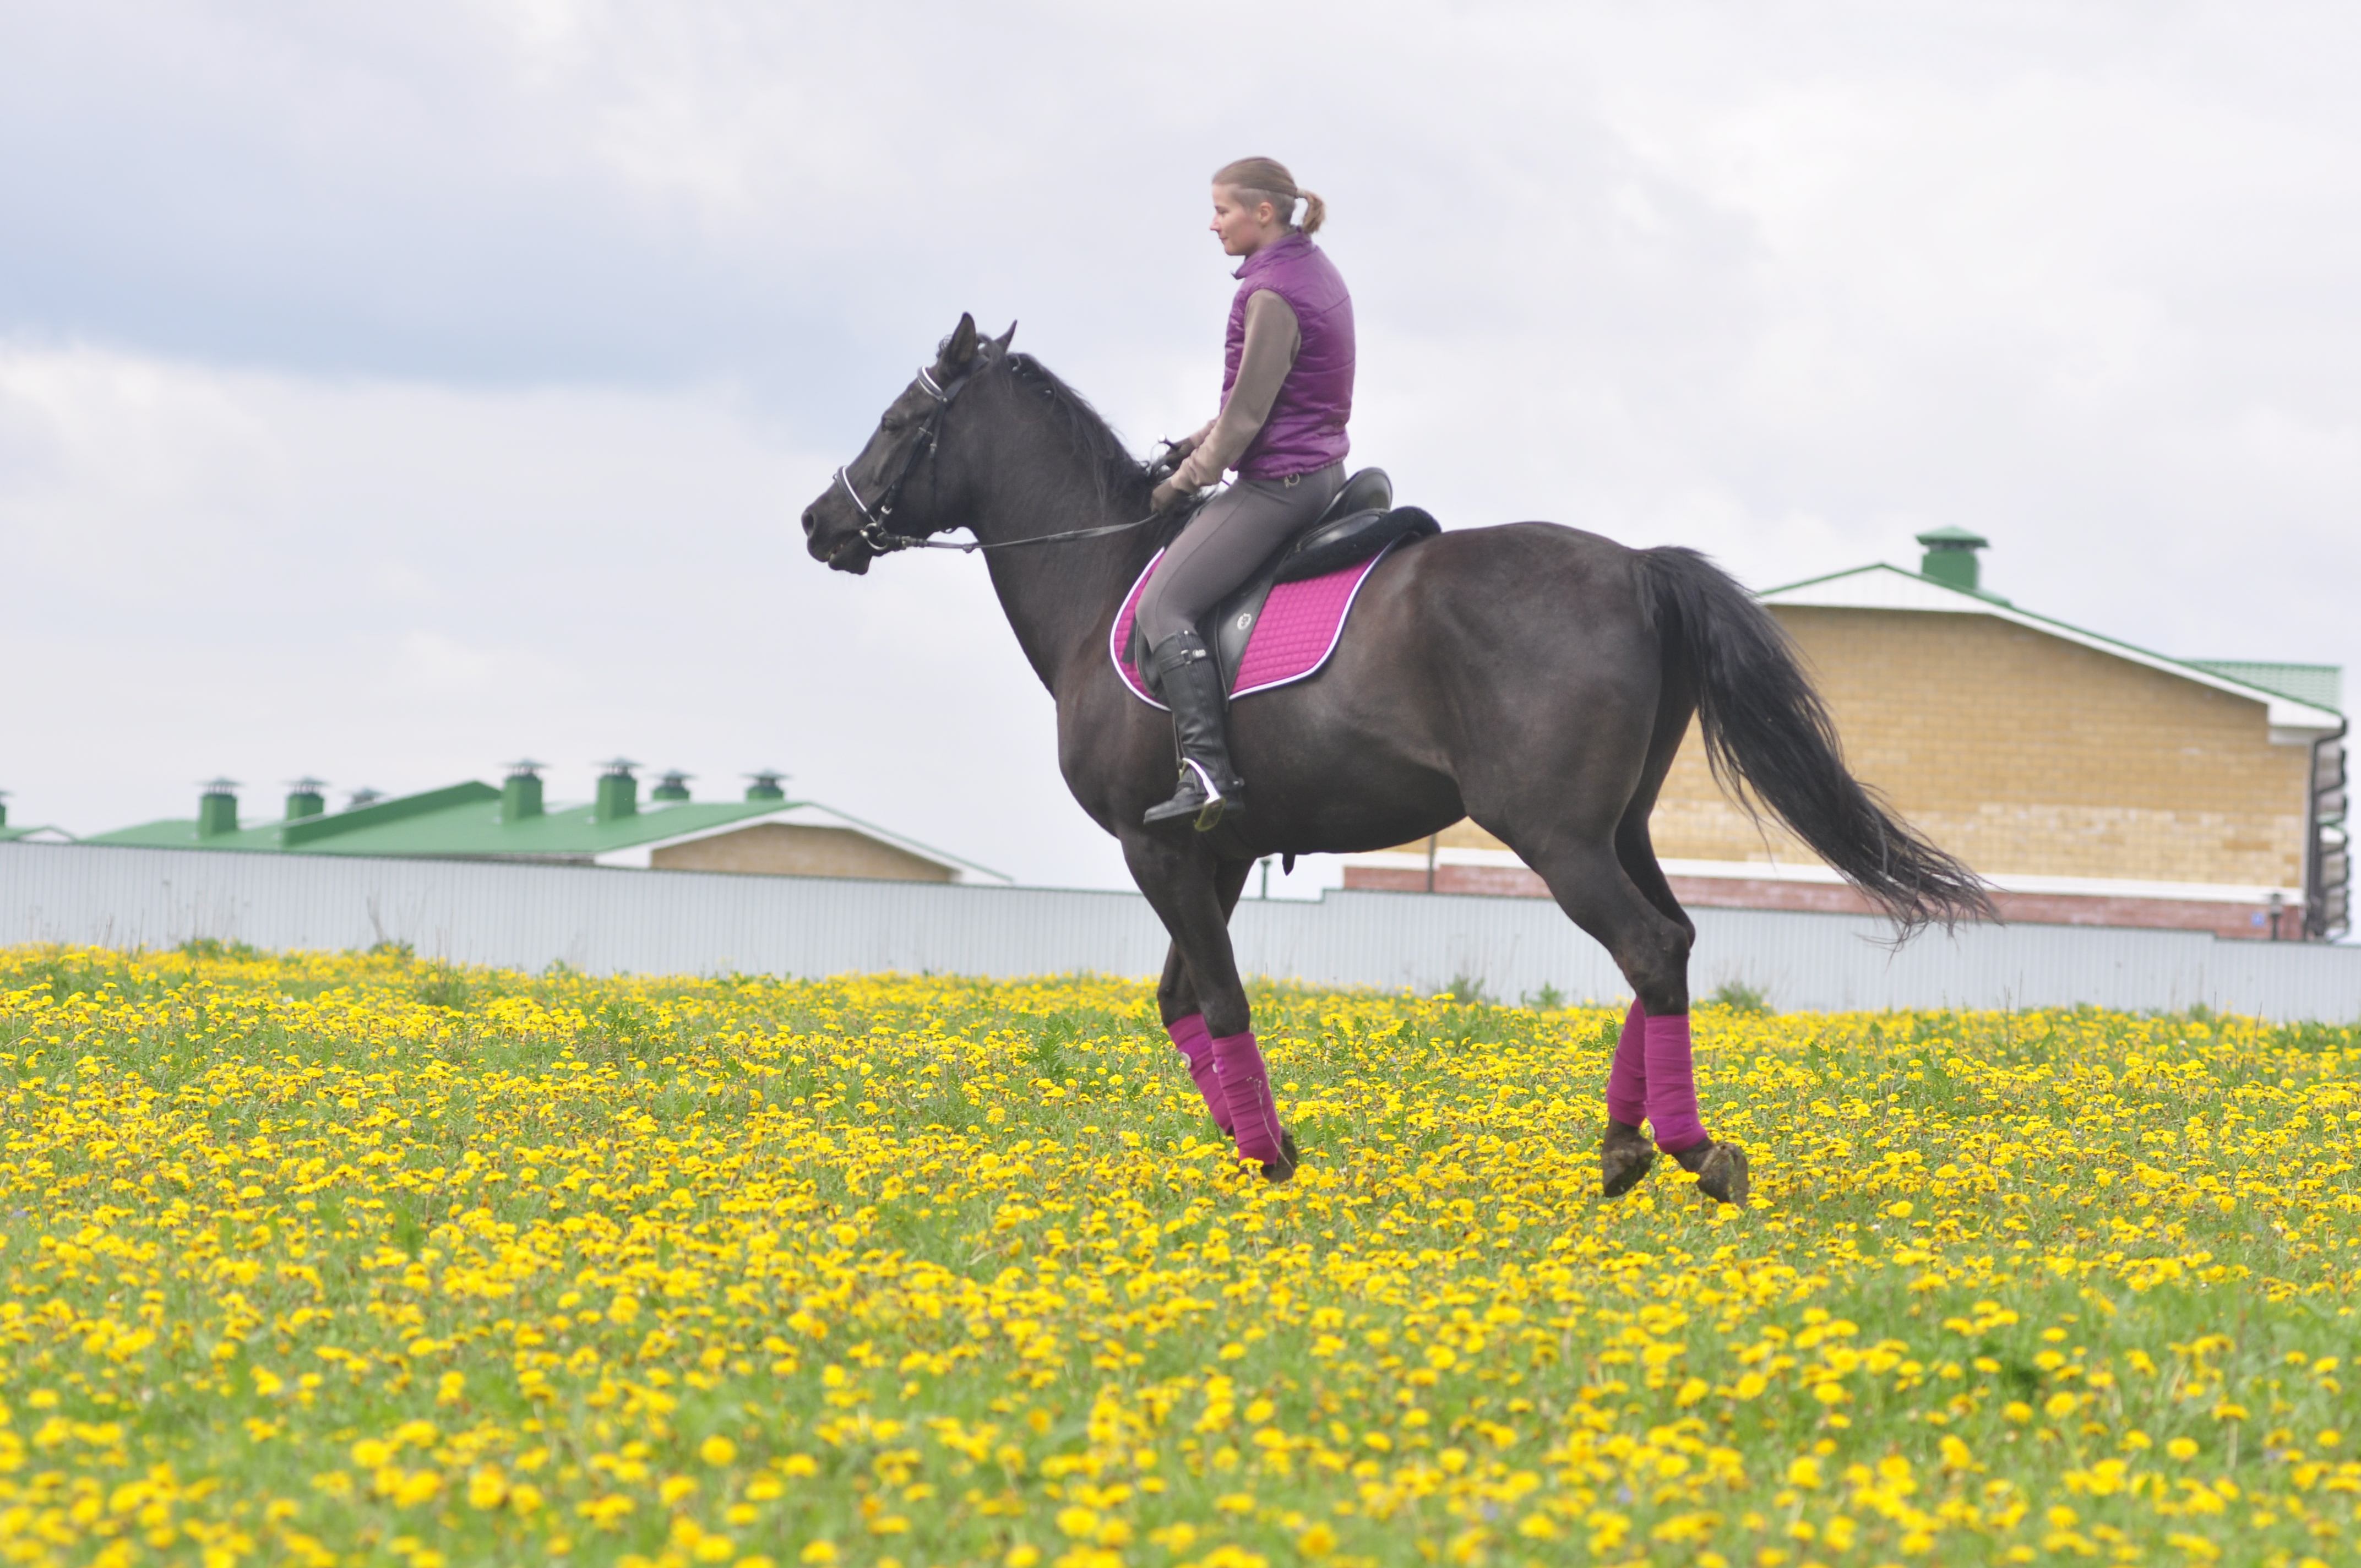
(764,833)
(2088,780)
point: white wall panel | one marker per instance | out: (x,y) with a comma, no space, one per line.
(608,921)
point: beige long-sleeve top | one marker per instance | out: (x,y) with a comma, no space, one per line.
(1272,341)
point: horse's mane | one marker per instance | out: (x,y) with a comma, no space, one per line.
(1118,473)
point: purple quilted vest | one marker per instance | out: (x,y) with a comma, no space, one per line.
(1306,427)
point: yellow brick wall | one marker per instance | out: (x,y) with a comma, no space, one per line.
(2022,753)
(785,849)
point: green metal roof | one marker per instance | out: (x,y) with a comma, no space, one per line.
(2322,685)
(420,810)
(462,821)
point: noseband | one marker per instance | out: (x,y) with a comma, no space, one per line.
(883,542)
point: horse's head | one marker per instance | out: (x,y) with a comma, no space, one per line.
(869,505)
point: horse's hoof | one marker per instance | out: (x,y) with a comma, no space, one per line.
(1721,1171)
(1282,1169)
(1625,1159)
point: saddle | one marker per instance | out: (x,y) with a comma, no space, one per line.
(1358,523)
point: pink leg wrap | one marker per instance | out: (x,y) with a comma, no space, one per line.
(1246,1084)
(1195,1043)
(1672,1090)
(1627,1080)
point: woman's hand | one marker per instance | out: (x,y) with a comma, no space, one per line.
(1173,454)
(1166,495)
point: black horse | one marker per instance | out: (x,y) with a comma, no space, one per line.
(1533,678)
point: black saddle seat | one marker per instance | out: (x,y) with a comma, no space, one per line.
(1368,490)
(1358,523)
(1361,521)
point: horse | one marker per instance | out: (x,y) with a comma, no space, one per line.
(1534,678)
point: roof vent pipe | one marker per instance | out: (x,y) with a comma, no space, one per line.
(1950,557)
(304,800)
(618,792)
(674,785)
(765,785)
(521,790)
(217,809)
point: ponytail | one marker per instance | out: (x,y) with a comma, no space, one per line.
(1267,180)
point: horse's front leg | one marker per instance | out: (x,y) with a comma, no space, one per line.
(1192,895)
(1184,1016)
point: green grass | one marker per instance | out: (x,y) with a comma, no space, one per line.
(363,1259)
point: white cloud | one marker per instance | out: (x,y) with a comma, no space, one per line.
(401,586)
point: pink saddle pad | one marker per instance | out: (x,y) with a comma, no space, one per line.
(1301,623)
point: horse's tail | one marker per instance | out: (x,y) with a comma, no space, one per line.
(1768,738)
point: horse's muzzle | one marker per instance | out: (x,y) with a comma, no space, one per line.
(838,546)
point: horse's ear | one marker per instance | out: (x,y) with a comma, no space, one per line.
(1000,345)
(958,349)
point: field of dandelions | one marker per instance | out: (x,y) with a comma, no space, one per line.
(361,1260)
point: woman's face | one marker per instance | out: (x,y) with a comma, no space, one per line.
(1243,230)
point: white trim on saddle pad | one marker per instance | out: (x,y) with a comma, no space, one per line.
(1118,633)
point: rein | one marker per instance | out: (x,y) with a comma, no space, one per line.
(883,542)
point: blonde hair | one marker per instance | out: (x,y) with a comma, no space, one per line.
(1267,180)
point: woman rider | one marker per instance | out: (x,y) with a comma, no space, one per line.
(1287,390)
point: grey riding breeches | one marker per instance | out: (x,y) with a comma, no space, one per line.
(1231,535)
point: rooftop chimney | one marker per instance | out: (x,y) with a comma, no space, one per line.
(304,800)
(521,792)
(1950,557)
(618,792)
(765,785)
(674,785)
(217,809)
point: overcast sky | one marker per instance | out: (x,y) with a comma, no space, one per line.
(390,391)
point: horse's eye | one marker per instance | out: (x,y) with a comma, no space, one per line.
(891,421)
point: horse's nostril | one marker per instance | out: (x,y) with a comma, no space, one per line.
(810,522)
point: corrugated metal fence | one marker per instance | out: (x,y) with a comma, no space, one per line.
(606,921)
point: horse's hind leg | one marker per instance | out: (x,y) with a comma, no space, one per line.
(1184,1016)
(1624,1156)
(1635,851)
(1592,885)
(1185,888)
(1633,847)
(1650,947)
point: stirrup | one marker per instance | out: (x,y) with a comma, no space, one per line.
(1192,798)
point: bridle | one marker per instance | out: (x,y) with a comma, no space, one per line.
(883,542)
(874,532)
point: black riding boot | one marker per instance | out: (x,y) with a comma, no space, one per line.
(1189,679)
